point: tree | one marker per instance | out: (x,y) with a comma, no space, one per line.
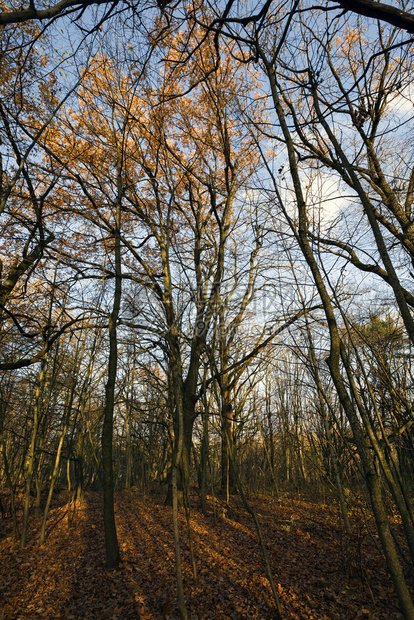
(104,204)
(376,10)
(29,103)
(299,72)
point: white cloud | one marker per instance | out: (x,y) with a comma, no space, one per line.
(403,103)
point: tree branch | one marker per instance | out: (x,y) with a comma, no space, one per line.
(61,8)
(381,11)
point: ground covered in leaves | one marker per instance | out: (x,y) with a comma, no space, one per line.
(320,572)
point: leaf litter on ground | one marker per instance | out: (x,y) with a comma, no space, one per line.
(321,573)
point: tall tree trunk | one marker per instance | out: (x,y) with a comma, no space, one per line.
(113,556)
(228,484)
(204,457)
(55,471)
(128,452)
(334,358)
(52,483)
(319,388)
(30,458)
(395,489)
(278,607)
(270,433)
(178,467)
(267,448)
(10,483)
(11,489)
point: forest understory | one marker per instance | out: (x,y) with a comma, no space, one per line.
(320,572)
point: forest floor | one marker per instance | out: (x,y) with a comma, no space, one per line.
(320,573)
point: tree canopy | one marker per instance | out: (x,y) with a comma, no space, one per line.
(206,255)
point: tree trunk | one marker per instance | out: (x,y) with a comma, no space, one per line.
(373,486)
(113,556)
(204,459)
(177,466)
(319,388)
(228,483)
(30,458)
